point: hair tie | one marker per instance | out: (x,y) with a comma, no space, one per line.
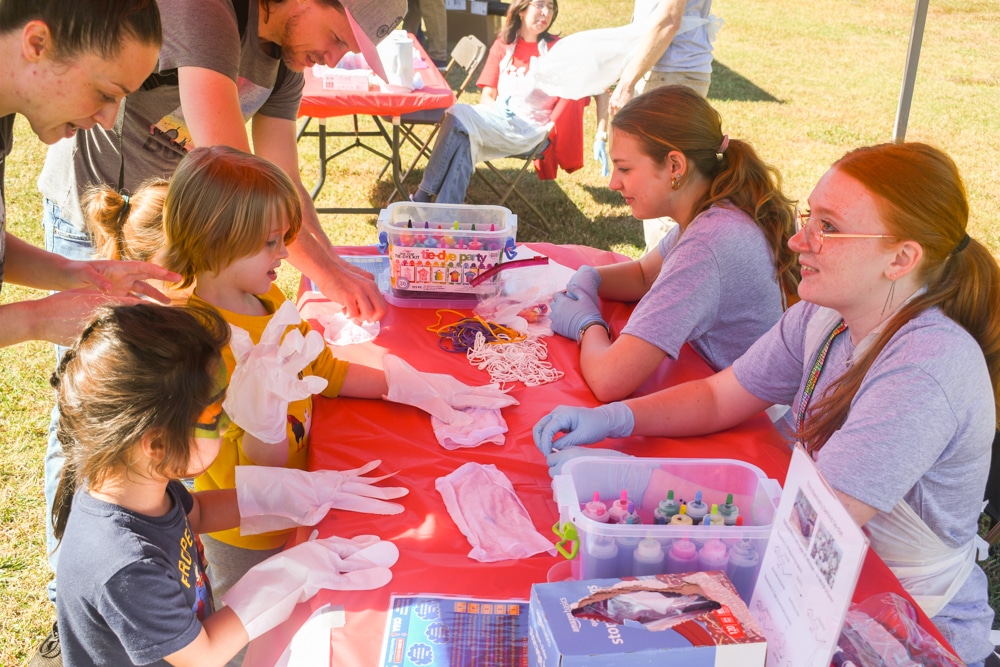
(961,245)
(123,214)
(722,147)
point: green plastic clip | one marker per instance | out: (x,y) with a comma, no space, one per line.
(566,532)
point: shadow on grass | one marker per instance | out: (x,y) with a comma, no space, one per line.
(730,85)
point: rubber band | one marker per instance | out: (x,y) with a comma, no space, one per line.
(520,361)
(460,336)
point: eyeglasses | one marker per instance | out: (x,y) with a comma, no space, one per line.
(543,6)
(815,236)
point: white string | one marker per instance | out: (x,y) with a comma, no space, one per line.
(522,361)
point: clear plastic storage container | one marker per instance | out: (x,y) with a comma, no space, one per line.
(618,550)
(437,250)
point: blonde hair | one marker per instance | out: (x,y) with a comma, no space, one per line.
(126,227)
(220,206)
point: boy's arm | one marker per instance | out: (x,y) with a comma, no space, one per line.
(364,382)
(214,511)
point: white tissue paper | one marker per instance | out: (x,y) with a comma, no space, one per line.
(339,329)
(482,502)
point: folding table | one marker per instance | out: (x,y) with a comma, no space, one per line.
(320,103)
(347,433)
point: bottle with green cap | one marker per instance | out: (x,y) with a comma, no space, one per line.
(667,508)
(729,511)
(714,518)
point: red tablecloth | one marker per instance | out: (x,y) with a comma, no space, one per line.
(347,433)
(320,103)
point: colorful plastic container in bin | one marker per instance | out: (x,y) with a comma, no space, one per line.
(437,250)
(618,550)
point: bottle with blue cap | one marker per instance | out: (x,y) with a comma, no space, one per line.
(696,509)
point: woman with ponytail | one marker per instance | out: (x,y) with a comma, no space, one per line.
(718,280)
(891,364)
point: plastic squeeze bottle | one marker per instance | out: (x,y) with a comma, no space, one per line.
(742,570)
(713,556)
(729,511)
(596,509)
(696,509)
(682,557)
(619,507)
(667,508)
(649,558)
(602,558)
(681,518)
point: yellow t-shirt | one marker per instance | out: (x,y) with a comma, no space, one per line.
(222,473)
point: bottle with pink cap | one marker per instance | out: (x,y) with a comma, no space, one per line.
(596,509)
(682,557)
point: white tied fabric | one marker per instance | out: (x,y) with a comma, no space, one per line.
(589,62)
(482,502)
(266,377)
(441,395)
(930,571)
(281,498)
(266,595)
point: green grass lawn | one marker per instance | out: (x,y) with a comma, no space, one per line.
(802,81)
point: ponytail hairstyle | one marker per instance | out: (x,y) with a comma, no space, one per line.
(221,206)
(512,23)
(920,197)
(675,118)
(136,371)
(126,227)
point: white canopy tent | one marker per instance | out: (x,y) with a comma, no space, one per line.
(910,70)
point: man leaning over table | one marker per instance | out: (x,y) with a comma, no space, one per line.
(226,74)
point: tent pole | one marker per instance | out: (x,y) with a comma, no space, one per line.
(910,71)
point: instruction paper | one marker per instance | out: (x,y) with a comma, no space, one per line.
(809,570)
(453,631)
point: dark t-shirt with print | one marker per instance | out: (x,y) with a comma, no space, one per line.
(132,588)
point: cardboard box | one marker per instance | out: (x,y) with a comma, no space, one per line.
(470,18)
(689,620)
(436,250)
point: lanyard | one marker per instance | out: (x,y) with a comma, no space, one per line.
(813,378)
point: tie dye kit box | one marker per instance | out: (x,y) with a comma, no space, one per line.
(666,620)
(439,250)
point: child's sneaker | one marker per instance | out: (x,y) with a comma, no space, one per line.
(49,653)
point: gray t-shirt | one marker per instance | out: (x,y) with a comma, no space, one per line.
(689,51)
(920,429)
(6,143)
(717,289)
(132,588)
(196,33)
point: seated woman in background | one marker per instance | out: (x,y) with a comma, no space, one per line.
(512,116)
(719,277)
(897,343)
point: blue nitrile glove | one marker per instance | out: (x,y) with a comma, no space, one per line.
(601,155)
(586,279)
(572,311)
(559,457)
(582,426)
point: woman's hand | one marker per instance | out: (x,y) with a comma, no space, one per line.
(121,278)
(582,426)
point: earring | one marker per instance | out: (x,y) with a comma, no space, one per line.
(676,182)
(888,300)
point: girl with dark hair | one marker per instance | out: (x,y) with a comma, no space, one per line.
(718,281)
(897,343)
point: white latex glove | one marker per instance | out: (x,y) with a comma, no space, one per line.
(266,377)
(266,595)
(281,498)
(438,394)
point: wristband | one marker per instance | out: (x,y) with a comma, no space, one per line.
(583,330)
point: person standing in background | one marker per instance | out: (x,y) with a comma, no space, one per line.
(664,56)
(435,19)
